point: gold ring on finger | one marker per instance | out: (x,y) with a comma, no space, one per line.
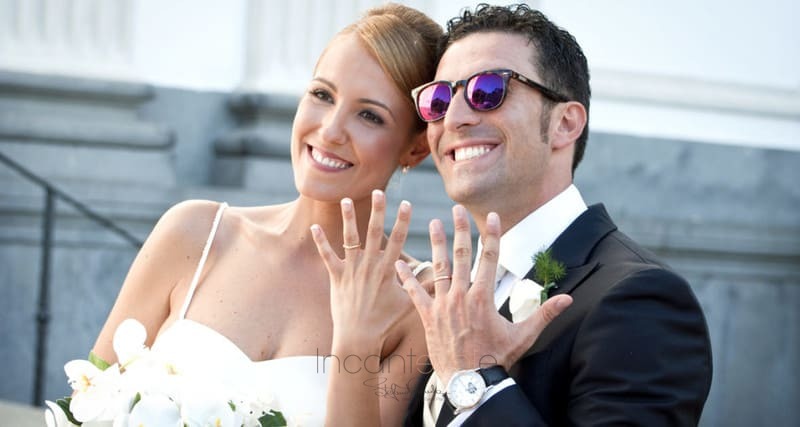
(438,278)
(356,246)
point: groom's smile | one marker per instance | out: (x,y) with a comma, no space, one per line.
(470,152)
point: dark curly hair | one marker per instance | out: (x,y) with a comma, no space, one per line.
(557,56)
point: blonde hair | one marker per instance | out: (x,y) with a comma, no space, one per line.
(404,42)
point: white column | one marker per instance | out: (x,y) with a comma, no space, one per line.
(84,38)
(284,40)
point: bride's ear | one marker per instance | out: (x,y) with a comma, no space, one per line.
(417,150)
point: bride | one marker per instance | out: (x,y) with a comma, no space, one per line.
(301,299)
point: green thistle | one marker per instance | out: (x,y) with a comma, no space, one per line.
(548,272)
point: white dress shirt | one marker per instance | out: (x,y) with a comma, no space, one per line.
(534,233)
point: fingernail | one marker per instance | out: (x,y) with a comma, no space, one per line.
(315,228)
(377,193)
(493,218)
(347,203)
(562,303)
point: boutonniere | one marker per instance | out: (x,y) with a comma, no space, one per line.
(527,295)
(548,271)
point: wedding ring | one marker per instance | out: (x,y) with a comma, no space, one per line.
(436,279)
(421,267)
(356,246)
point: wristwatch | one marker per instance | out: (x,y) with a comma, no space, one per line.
(466,388)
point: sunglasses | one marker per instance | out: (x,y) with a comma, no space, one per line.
(483,91)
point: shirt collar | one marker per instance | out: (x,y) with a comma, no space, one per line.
(536,232)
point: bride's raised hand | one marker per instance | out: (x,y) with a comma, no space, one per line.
(366,297)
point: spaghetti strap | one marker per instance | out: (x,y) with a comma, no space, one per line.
(202,262)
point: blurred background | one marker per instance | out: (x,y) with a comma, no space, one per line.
(112,111)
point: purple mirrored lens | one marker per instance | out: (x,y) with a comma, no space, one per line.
(433,101)
(485,91)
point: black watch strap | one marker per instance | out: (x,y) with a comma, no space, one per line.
(493,375)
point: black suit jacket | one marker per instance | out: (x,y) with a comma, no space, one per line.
(632,349)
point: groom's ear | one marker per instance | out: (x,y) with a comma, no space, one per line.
(567,123)
(417,150)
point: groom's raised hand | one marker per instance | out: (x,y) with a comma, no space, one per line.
(462,326)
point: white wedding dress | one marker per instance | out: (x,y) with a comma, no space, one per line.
(298,384)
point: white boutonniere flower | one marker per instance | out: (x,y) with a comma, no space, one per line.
(526,297)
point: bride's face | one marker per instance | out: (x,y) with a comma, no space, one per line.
(352,128)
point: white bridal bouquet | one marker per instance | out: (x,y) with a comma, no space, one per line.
(145,389)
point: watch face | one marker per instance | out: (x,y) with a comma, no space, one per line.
(466,388)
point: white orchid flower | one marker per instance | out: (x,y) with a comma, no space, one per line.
(54,416)
(122,420)
(525,299)
(98,424)
(250,407)
(152,374)
(208,408)
(81,375)
(129,341)
(98,394)
(143,370)
(155,410)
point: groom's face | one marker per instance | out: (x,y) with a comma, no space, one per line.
(491,160)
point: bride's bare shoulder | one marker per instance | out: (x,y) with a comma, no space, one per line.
(170,253)
(187,223)
(182,231)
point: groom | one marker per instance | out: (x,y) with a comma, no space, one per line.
(633,347)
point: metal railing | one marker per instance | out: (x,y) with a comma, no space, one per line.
(52,194)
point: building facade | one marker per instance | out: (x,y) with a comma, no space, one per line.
(124,108)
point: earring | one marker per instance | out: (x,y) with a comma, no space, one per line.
(405,169)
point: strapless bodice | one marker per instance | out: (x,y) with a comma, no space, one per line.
(297,383)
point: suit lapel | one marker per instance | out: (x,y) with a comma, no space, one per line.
(574,247)
(575,244)
(575,277)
